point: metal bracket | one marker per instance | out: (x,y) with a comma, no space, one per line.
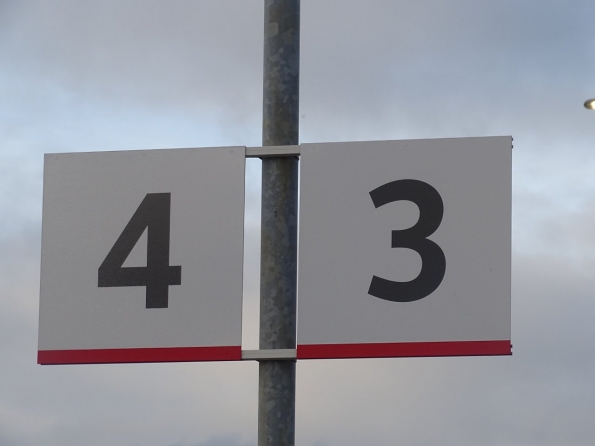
(269,151)
(289,354)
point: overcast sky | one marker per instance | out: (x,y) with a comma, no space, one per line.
(141,74)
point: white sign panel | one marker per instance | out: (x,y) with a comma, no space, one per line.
(404,248)
(142,256)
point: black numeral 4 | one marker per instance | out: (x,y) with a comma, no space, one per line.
(153,214)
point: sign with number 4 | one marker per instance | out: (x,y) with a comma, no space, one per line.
(142,256)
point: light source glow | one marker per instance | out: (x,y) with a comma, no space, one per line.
(590,104)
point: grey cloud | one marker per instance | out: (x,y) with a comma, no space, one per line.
(149,51)
(430,69)
(416,61)
(392,69)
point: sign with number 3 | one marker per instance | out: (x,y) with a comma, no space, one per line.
(404,248)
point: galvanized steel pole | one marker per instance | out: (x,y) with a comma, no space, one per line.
(278,263)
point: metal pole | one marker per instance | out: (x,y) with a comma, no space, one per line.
(278,262)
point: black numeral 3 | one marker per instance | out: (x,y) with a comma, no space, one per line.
(431,210)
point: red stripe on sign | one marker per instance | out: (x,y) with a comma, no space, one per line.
(405,349)
(122,355)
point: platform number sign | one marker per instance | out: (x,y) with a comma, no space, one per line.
(104,214)
(153,215)
(404,248)
(431,210)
